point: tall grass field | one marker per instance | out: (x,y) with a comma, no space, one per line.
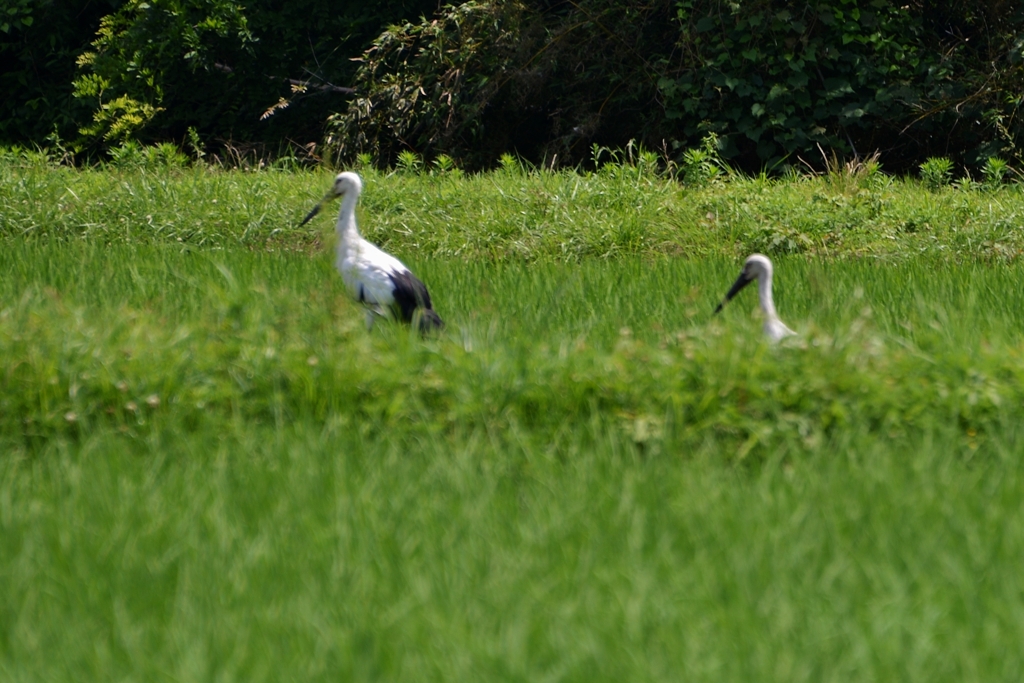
(211,471)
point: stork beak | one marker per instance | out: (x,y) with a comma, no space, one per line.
(316,209)
(741,282)
(309,216)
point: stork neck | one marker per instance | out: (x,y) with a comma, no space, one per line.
(346,227)
(764,293)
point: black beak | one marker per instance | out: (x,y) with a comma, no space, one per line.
(309,216)
(316,209)
(741,282)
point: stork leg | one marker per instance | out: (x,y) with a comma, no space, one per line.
(369,319)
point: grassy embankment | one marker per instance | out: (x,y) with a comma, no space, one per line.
(211,469)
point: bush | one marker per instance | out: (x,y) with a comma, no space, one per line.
(39,41)
(425,87)
(255,74)
(937,172)
(153,53)
(994,170)
(545,80)
(776,78)
(773,79)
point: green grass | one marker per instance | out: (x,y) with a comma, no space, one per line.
(312,553)
(513,215)
(211,471)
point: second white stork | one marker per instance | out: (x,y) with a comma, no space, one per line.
(759,267)
(373,277)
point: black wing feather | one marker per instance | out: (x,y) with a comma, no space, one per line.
(411,295)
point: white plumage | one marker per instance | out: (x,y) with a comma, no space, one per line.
(759,267)
(373,277)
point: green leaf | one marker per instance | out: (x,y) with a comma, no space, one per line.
(706,24)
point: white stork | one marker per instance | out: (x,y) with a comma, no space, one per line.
(373,277)
(759,267)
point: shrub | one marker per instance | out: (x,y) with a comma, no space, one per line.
(262,72)
(137,58)
(994,171)
(39,42)
(425,87)
(936,172)
(703,165)
(774,79)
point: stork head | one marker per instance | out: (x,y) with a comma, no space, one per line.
(756,266)
(345,184)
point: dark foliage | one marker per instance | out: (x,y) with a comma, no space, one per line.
(219,67)
(545,79)
(777,79)
(971,89)
(39,42)
(774,79)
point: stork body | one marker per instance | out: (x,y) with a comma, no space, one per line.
(759,267)
(373,277)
